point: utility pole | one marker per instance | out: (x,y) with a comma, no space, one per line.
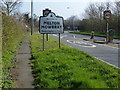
(32,21)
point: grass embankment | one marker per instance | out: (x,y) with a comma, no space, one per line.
(12,36)
(96,34)
(0,49)
(68,67)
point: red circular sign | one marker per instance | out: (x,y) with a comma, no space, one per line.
(107,14)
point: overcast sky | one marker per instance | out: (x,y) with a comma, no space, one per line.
(64,8)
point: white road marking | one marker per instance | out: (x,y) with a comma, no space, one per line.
(86,41)
(55,35)
(106,62)
(109,46)
(62,36)
(84,44)
(102,44)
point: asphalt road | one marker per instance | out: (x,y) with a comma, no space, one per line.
(104,53)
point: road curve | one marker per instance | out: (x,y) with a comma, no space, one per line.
(102,52)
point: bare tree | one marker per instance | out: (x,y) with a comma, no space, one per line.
(116,17)
(95,10)
(11,5)
(91,11)
(108,5)
(100,10)
(71,21)
(117,8)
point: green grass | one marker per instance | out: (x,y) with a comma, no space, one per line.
(0,49)
(12,36)
(68,67)
(0,61)
(96,34)
(0,68)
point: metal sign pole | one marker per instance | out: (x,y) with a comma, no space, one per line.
(107,38)
(43,42)
(46,37)
(59,40)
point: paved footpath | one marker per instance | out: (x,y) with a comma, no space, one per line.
(24,72)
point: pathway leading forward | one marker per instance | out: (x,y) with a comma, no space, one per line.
(24,78)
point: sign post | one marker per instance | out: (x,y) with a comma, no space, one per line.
(45,13)
(51,24)
(46,37)
(107,17)
(107,38)
(43,42)
(59,40)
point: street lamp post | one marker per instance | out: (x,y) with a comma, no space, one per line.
(32,21)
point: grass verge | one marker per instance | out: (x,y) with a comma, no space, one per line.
(96,34)
(12,36)
(68,67)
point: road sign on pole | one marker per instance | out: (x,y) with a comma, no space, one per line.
(107,17)
(49,23)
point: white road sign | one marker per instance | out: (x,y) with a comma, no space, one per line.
(51,24)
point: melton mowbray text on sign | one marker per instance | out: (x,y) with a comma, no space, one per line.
(51,24)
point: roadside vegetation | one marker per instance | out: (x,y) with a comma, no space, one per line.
(96,34)
(93,19)
(0,64)
(14,24)
(68,67)
(12,36)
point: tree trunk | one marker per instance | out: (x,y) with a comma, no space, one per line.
(8,10)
